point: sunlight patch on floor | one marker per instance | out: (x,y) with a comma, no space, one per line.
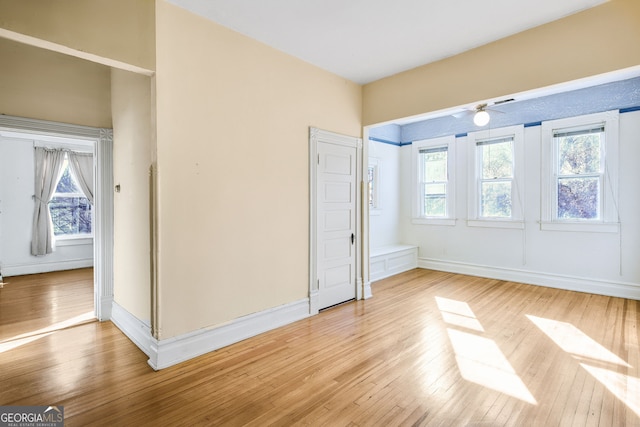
(15,343)
(572,340)
(479,359)
(582,347)
(624,387)
(458,313)
(27,337)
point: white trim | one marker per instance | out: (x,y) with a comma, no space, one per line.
(495,223)
(171,351)
(390,260)
(45,267)
(591,227)
(103,213)
(367,290)
(558,281)
(434,221)
(135,329)
(417,199)
(518,184)
(317,136)
(609,191)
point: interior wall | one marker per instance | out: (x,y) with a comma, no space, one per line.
(610,257)
(45,85)
(16,216)
(596,41)
(384,222)
(131,106)
(233,177)
(120,30)
(39,84)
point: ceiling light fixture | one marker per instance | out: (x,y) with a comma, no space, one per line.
(481,118)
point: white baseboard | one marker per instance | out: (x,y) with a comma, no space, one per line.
(45,267)
(135,329)
(367,290)
(171,351)
(314,302)
(571,283)
(106,308)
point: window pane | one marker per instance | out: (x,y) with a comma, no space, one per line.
(67,184)
(435,166)
(70,215)
(579,198)
(497,160)
(435,206)
(495,200)
(579,154)
(435,199)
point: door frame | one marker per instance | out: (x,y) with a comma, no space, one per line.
(316,137)
(103,213)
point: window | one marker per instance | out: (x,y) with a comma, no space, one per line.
(70,210)
(373,178)
(495,183)
(580,173)
(496,177)
(434,189)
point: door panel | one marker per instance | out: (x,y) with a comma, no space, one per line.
(336,223)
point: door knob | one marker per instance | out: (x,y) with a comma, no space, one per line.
(353,238)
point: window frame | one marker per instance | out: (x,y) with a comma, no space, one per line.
(78,194)
(608,221)
(474,140)
(79,146)
(374,207)
(418,216)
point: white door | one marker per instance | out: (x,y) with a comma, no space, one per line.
(336,223)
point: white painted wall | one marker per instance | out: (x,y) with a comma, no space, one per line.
(16,213)
(594,262)
(384,222)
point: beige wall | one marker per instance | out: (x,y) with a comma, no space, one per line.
(233,118)
(45,85)
(132,154)
(596,41)
(121,30)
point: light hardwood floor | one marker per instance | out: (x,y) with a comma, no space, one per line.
(429,348)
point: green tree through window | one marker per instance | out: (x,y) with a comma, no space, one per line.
(70,210)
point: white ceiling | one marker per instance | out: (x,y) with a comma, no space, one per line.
(366,40)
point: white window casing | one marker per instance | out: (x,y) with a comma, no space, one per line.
(477,141)
(606,124)
(447,182)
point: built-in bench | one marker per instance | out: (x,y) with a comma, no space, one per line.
(388,260)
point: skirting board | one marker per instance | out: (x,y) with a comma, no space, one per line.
(570,283)
(106,307)
(135,329)
(171,351)
(45,267)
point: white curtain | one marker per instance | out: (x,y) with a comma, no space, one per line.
(48,166)
(81,165)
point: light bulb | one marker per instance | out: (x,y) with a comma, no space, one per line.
(481,118)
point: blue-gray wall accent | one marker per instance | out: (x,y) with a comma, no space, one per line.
(623,95)
(388,133)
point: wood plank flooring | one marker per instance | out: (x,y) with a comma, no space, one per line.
(429,349)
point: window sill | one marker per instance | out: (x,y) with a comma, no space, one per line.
(584,227)
(74,240)
(496,223)
(434,221)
